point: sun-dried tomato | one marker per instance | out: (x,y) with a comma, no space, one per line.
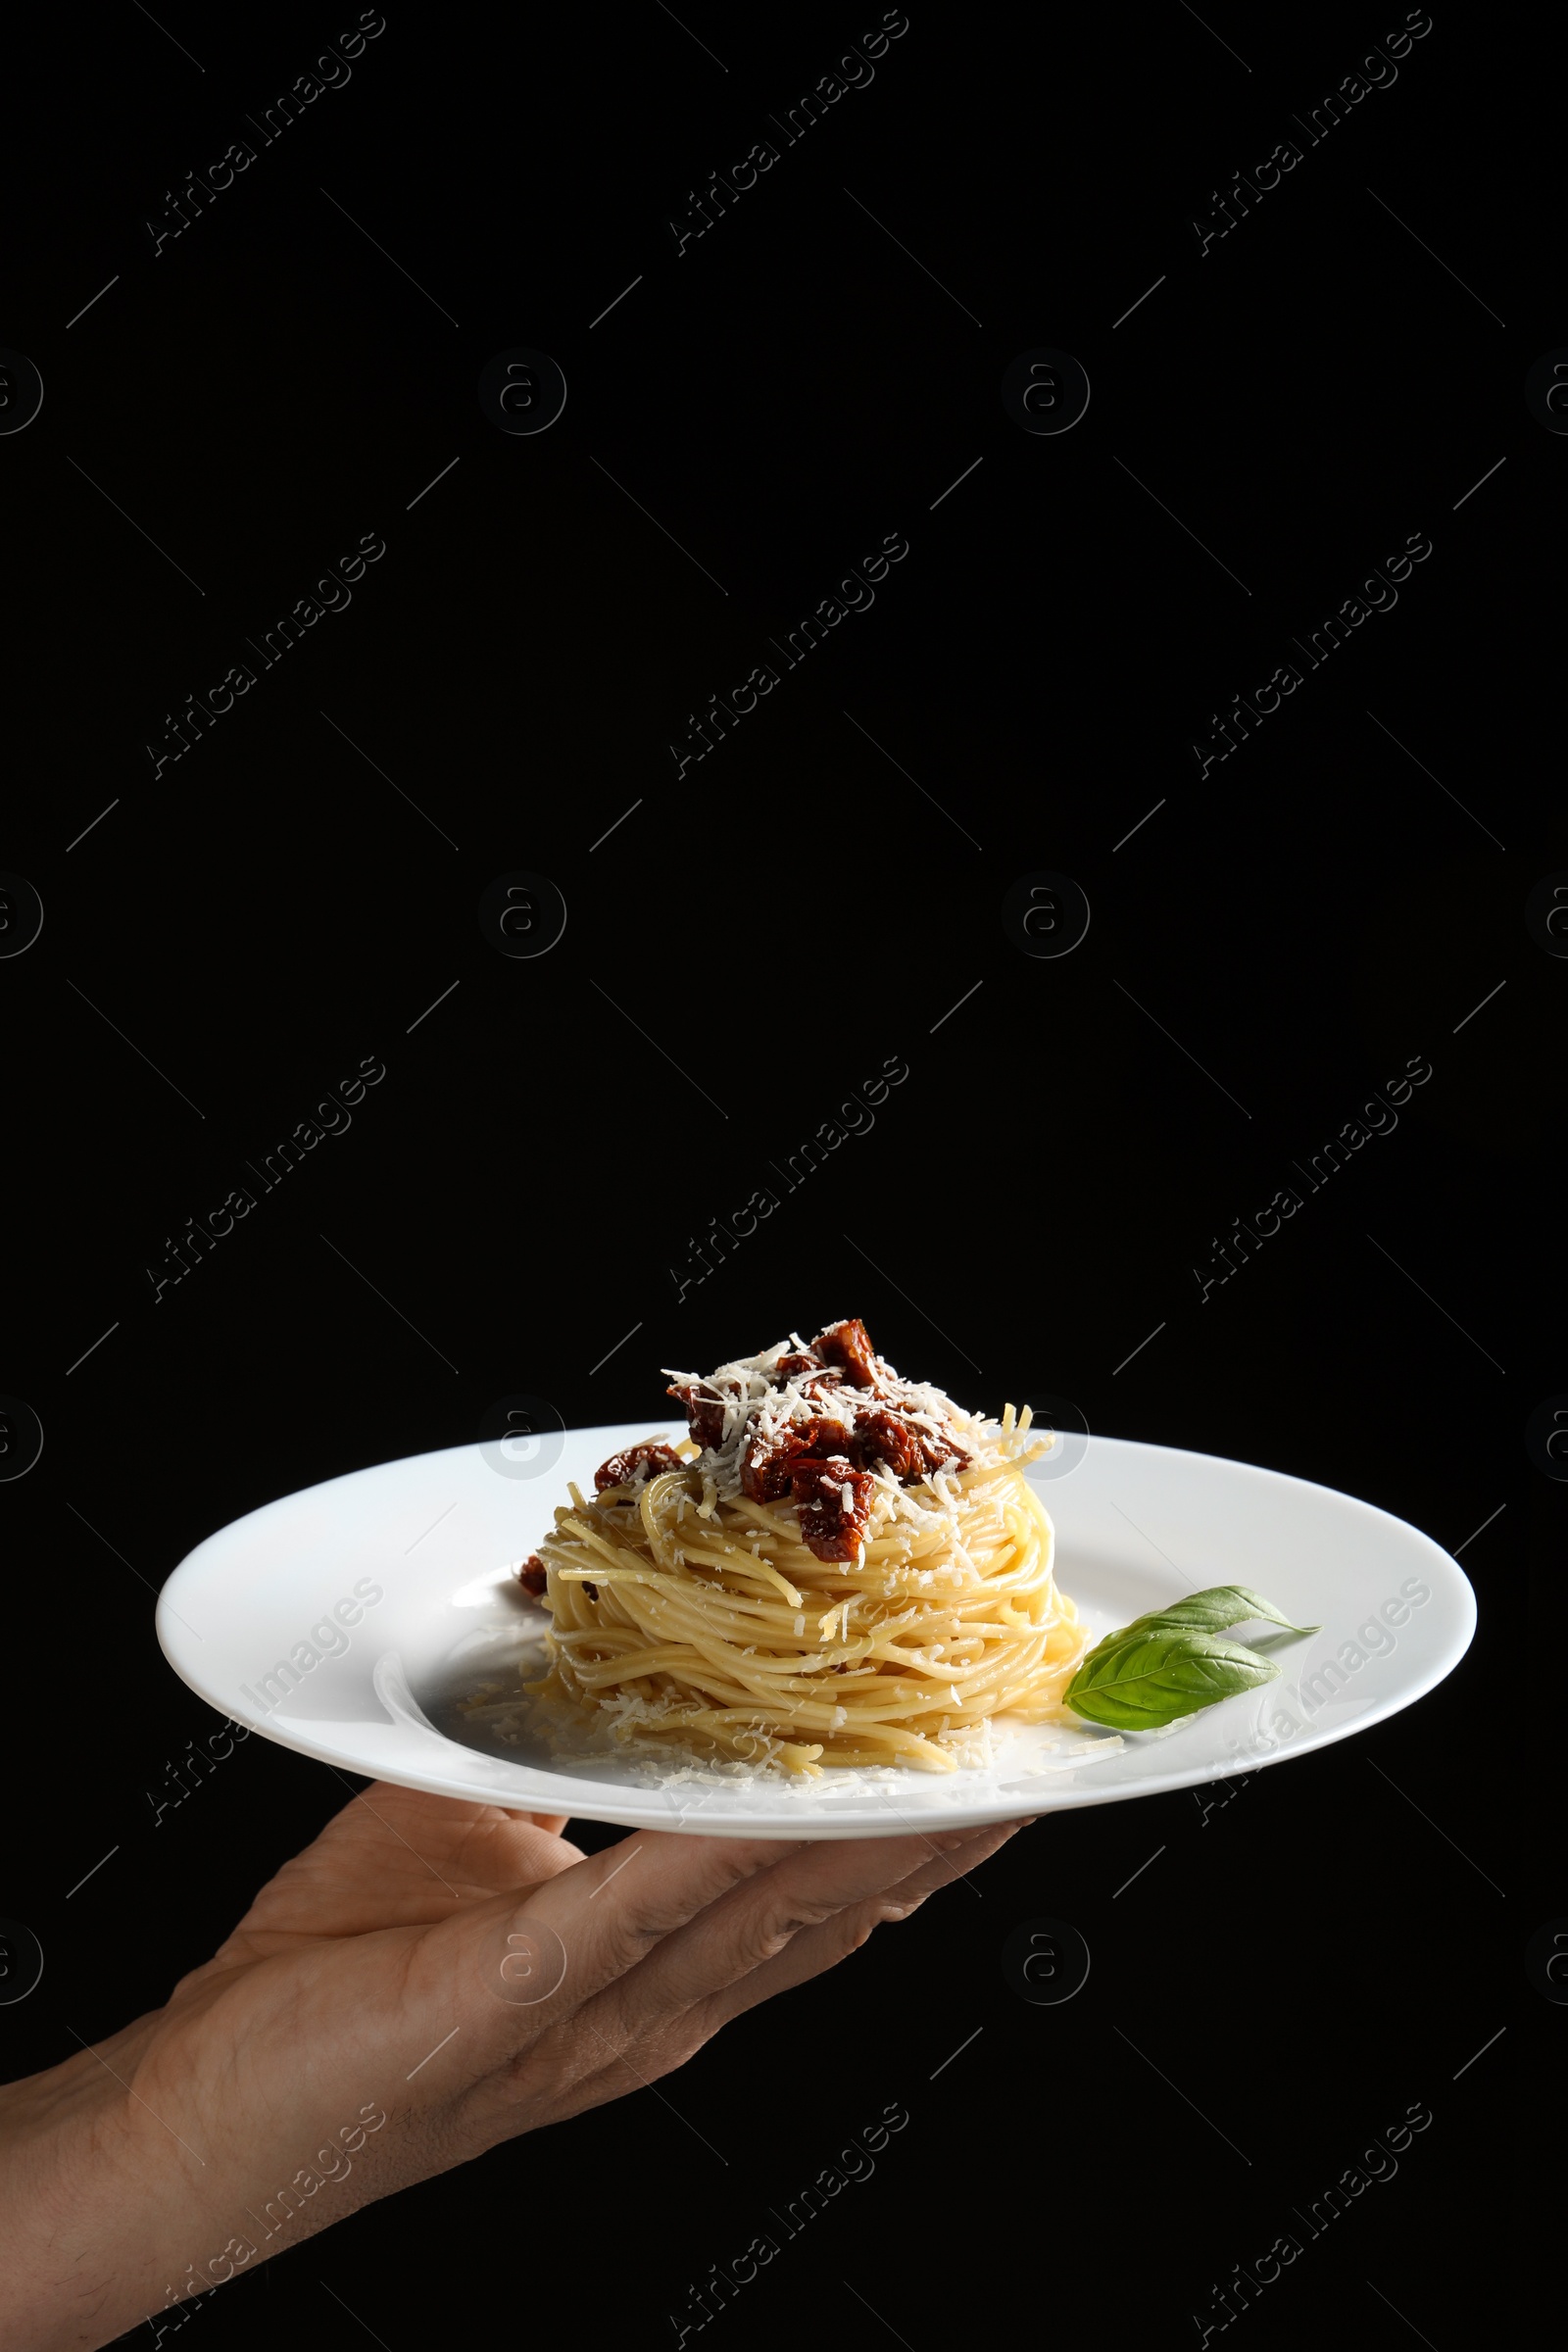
(531,1574)
(834,1505)
(886,1438)
(849,1345)
(765,1471)
(705,1411)
(649,1460)
(938,1453)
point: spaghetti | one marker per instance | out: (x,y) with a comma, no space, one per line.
(839,1567)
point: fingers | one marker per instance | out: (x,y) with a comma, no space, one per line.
(541,1959)
(744,1951)
(817,1949)
(615,1907)
(635,2046)
(523,1962)
(755,1923)
(646,1932)
(616,1970)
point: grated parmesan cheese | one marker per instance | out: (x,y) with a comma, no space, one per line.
(753,1409)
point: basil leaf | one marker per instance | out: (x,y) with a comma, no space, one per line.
(1221,1605)
(1171,1662)
(1144,1676)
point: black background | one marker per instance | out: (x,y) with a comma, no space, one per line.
(752,942)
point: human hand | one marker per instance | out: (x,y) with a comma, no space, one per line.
(426,1980)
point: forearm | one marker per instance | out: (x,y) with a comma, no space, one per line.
(76,2216)
(113,2215)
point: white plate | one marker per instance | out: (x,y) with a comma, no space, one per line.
(388,1595)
